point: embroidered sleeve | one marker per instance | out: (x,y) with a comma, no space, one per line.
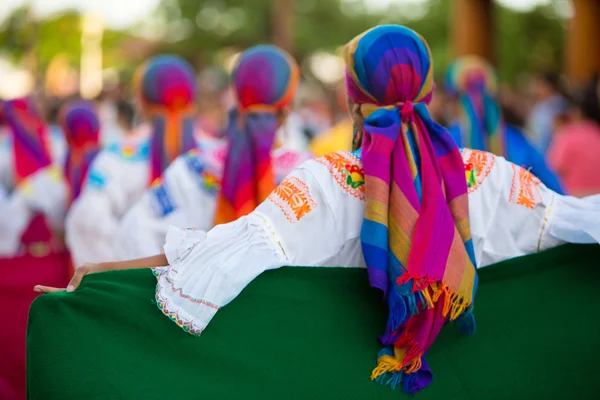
(524,190)
(346,168)
(293,198)
(478,165)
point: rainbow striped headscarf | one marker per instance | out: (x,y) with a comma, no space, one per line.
(166,88)
(81,126)
(415,236)
(30,147)
(265,80)
(474,82)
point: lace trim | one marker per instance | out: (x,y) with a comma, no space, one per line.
(173,312)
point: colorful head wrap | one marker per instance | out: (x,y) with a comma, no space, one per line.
(166,88)
(415,236)
(30,147)
(474,82)
(81,126)
(265,80)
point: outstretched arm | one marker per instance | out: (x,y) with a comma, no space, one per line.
(147,262)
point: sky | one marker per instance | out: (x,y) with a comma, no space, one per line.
(119,14)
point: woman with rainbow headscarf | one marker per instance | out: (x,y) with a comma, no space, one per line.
(30,172)
(399,205)
(472,81)
(123,171)
(200,192)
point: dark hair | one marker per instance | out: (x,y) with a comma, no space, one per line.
(552,79)
(589,103)
(126,111)
(54,107)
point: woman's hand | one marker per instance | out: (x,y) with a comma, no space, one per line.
(159,260)
(75,281)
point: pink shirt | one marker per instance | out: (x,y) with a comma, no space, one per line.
(575,155)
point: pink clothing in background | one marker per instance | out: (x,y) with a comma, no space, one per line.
(575,156)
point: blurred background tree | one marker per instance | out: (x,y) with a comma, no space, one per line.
(207,32)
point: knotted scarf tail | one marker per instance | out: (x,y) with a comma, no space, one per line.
(400,365)
(389,372)
(403,307)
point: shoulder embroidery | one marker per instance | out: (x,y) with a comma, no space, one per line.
(130,151)
(209,182)
(347,171)
(478,165)
(164,205)
(293,198)
(525,190)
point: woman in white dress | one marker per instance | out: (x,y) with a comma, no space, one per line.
(264,82)
(399,205)
(123,171)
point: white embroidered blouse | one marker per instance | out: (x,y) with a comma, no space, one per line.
(186,197)
(314,219)
(117,179)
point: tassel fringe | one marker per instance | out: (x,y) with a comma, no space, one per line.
(397,365)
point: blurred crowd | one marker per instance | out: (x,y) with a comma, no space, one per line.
(560,122)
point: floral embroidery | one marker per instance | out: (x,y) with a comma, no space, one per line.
(355,176)
(478,165)
(525,188)
(346,169)
(293,198)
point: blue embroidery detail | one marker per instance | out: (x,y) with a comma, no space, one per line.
(130,151)
(164,203)
(96,179)
(195,162)
(356,153)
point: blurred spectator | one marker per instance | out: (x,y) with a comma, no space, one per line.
(436,106)
(549,104)
(512,106)
(575,148)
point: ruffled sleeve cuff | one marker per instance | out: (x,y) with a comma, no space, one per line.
(208,270)
(180,242)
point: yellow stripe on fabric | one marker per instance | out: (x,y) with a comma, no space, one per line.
(465,288)
(400,206)
(427,87)
(349,51)
(464,229)
(455,264)
(367,109)
(376,211)
(410,157)
(400,241)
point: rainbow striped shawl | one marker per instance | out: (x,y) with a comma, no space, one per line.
(265,80)
(415,236)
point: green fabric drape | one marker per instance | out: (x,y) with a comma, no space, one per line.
(287,337)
